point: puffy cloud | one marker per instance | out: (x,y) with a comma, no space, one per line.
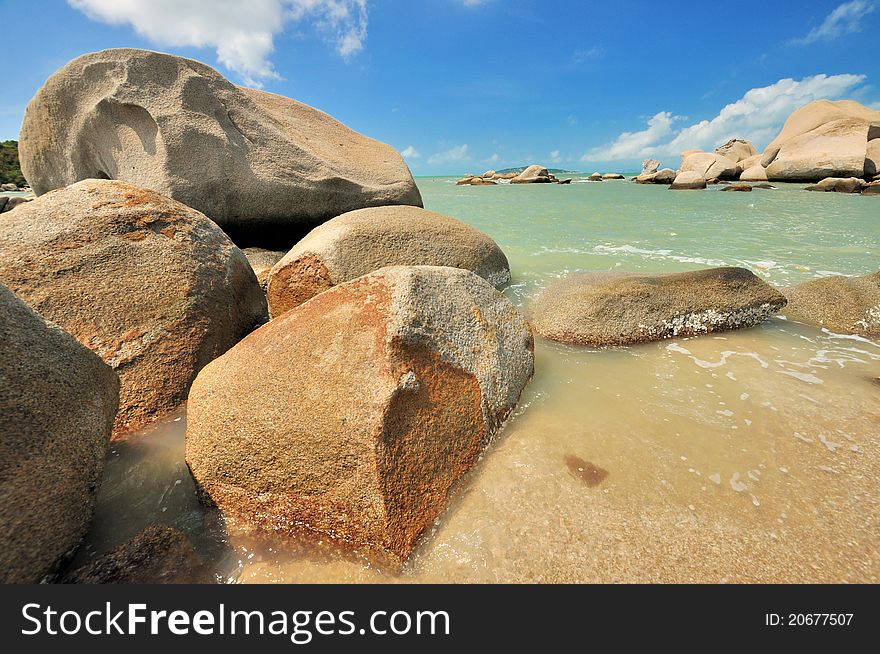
(241,33)
(554,157)
(845,19)
(757,116)
(632,145)
(411,153)
(455,154)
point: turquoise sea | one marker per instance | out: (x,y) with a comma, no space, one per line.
(745,456)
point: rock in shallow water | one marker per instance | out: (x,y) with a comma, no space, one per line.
(624,308)
(260,165)
(152,286)
(362,241)
(57,404)
(157,555)
(688,181)
(845,305)
(353,414)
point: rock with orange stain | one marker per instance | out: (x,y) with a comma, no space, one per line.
(353,414)
(359,242)
(57,404)
(152,286)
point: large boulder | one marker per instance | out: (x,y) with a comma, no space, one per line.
(533,175)
(152,286)
(872,158)
(754,173)
(821,139)
(262,166)
(737,150)
(845,305)
(708,165)
(688,180)
(623,308)
(157,555)
(353,414)
(608,176)
(57,404)
(362,241)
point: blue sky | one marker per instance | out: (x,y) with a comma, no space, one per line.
(466,85)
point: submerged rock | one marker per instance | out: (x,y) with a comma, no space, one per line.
(666,176)
(742,188)
(821,139)
(845,305)
(157,555)
(353,414)
(57,405)
(362,241)
(839,185)
(625,308)
(262,166)
(153,287)
(475,181)
(688,180)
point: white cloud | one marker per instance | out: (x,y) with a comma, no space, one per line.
(632,145)
(757,116)
(846,19)
(455,154)
(242,33)
(410,153)
(493,159)
(585,54)
(554,157)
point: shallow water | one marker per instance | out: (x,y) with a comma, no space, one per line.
(746,456)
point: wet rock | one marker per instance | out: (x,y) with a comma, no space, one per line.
(688,181)
(613,176)
(353,414)
(3,200)
(872,158)
(475,181)
(362,241)
(595,177)
(57,404)
(742,188)
(844,305)
(589,473)
(623,308)
(872,189)
(765,186)
(666,176)
(13,202)
(565,181)
(157,555)
(262,166)
(153,287)
(839,185)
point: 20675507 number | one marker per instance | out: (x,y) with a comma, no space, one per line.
(808,619)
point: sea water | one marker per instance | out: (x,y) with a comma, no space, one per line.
(747,456)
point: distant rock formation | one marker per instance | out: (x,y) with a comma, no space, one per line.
(823,139)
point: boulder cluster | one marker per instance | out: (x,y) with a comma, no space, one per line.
(833,144)
(338,388)
(390,364)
